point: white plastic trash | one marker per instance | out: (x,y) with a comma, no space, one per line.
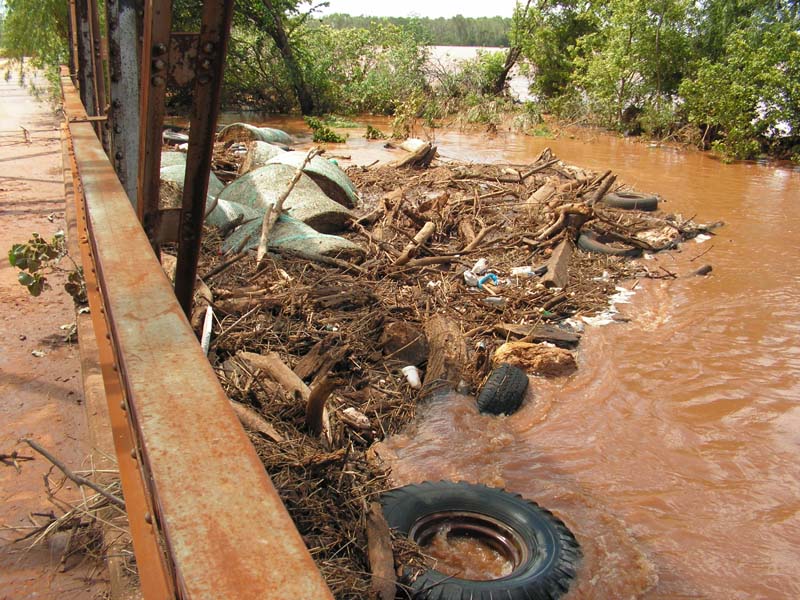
(412,376)
(480,266)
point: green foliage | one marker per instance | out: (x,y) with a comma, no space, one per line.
(751,97)
(453,31)
(38,258)
(36,28)
(323,133)
(374,134)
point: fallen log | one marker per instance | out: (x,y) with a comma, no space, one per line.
(447,355)
(255,422)
(314,397)
(539,333)
(558,266)
(423,235)
(379,551)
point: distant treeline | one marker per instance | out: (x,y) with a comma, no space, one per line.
(453,31)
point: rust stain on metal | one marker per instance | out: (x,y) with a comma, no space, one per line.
(226,530)
(155,578)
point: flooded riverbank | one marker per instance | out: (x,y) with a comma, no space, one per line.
(671,453)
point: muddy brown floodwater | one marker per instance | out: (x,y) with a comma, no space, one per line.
(672,452)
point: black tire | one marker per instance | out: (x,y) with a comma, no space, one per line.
(503,391)
(631,201)
(590,241)
(548,556)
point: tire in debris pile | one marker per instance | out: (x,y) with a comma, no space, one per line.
(631,201)
(590,241)
(543,553)
(503,391)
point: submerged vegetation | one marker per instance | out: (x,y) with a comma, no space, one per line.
(720,74)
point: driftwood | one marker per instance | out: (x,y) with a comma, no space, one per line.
(381,558)
(542,195)
(422,156)
(322,356)
(314,397)
(539,333)
(558,266)
(608,181)
(423,235)
(448,354)
(255,422)
(479,238)
(320,391)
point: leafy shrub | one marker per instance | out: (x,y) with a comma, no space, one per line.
(38,258)
(323,133)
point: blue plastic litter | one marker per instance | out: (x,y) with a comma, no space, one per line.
(488,277)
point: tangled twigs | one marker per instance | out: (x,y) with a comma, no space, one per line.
(14,459)
(73,476)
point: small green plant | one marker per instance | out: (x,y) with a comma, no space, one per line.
(374,133)
(323,133)
(38,258)
(340,122)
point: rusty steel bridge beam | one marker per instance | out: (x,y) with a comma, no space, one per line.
(226,532)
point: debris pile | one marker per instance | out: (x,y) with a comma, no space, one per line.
(325,354)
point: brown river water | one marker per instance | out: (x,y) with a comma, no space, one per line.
(672,453)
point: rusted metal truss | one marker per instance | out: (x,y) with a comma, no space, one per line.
(205,518)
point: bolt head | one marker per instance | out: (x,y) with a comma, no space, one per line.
(158,81)
(159,49)
(208,47)
(159,64)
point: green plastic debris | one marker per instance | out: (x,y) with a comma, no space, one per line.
(177,173)
(328,176)
(224,213)
(294,236)
(258,155)
(170,159)
(241,132)
(307,202)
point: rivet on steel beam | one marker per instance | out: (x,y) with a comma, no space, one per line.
(117,128)
(209,47)
(158,81)
(204,78)
(122,406)
(159,49)
(133,453)
(116,103)
(148,518)
(118,155)
(206,63)
(159,64)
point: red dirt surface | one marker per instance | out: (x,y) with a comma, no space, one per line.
(40,398)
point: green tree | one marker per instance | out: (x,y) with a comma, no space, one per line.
(36,28)
(749,101)
(281,20)
(635,58)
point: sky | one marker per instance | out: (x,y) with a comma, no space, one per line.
(421,8)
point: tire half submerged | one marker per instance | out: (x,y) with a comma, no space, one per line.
(543,551)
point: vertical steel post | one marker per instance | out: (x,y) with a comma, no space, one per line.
(72,22)
(123,67)
(212,50)
(85,62)
(155,65)
(99,71)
